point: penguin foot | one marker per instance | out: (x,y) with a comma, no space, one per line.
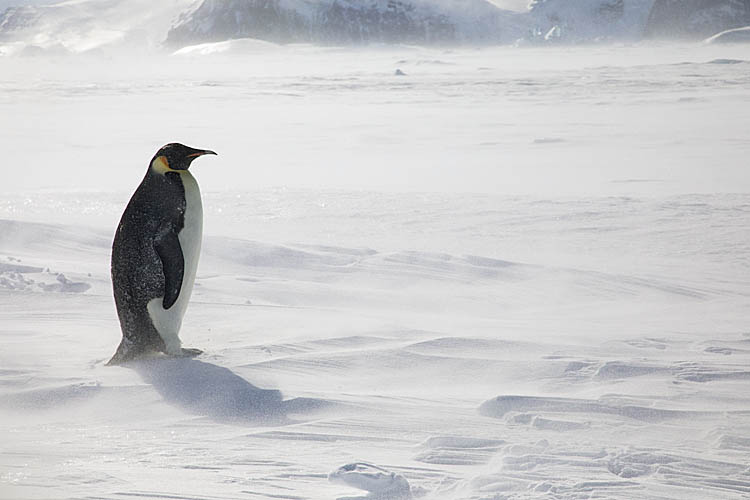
(189,352)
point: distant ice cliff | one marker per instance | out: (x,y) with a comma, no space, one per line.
(87,25)
(696,19)
(347,22)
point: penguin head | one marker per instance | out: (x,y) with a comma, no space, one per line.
(176,156)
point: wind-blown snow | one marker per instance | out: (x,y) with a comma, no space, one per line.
(87,25)
(545,296)
(737,35)
(626,119)
(472,349)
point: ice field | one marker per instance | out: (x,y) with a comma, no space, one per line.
(509,273)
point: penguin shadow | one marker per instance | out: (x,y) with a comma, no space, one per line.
(208,390)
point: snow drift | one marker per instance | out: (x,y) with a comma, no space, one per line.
(430,374)
(579,332)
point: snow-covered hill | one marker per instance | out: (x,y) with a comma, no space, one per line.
(84,25)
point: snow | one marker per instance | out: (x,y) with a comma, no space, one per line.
(509,273)
(737,35)
(76,26)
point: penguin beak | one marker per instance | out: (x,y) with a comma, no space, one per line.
(201,153)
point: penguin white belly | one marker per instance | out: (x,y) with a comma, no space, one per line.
(168,321)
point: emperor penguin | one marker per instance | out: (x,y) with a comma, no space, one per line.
(155,255)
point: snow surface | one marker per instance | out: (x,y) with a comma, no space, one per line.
(511,273)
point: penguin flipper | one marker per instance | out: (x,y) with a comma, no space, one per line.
(167,246)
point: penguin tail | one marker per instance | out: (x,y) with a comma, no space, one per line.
(126,351)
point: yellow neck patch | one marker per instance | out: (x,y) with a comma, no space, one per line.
(160,165)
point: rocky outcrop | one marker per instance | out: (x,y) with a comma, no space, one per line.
(694,19)
(588,20)
(344,22)
(216,20)
(400,22)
